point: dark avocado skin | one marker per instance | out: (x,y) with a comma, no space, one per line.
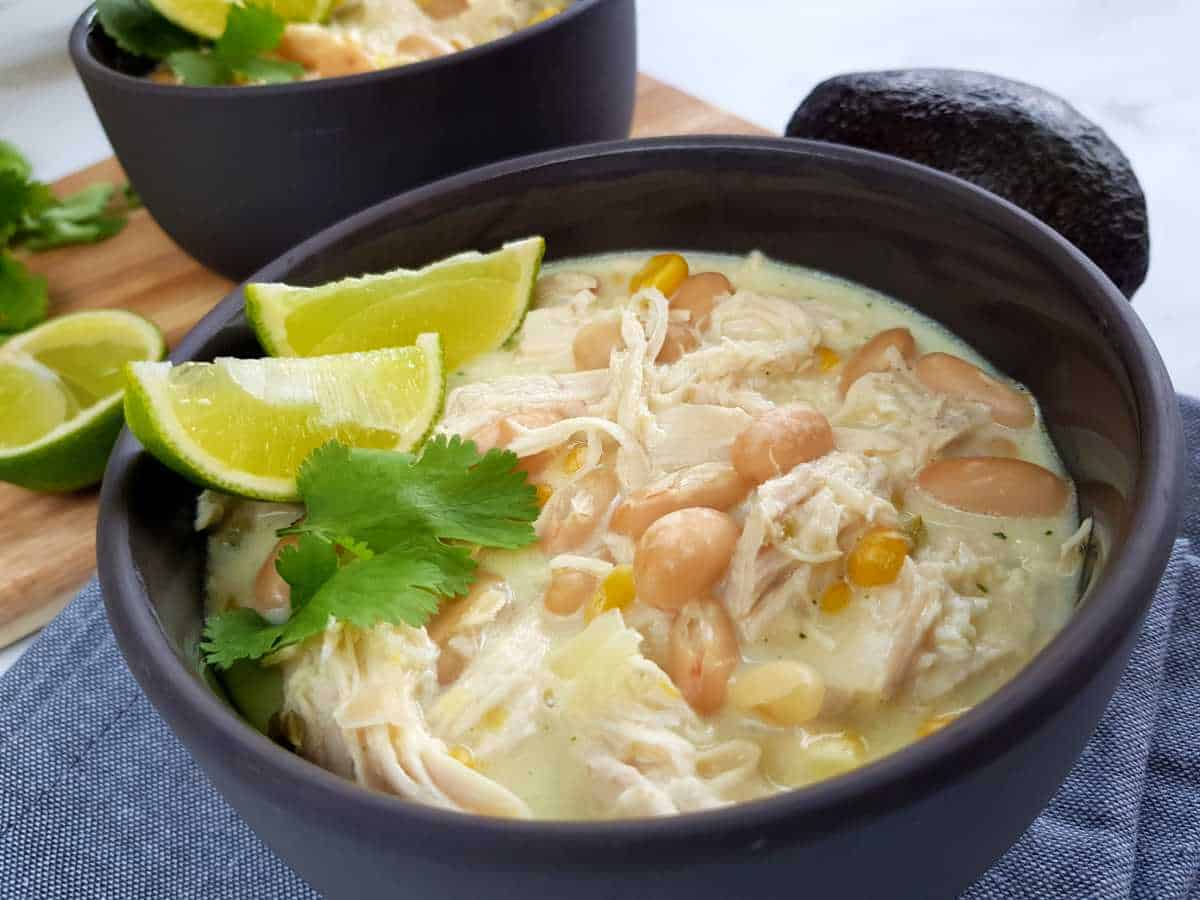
(1013,139)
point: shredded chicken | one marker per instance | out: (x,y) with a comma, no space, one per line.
(359,697)
(798,520)
(892,417)
(636,735)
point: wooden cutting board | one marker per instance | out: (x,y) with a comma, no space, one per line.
(48,549)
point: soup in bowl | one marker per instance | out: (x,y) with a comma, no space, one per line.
(237,173)
(900,396)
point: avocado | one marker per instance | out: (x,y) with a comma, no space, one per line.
(1013,139)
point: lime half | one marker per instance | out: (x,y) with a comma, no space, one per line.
(60,396)
(244,426)
(474,301)
(203,17)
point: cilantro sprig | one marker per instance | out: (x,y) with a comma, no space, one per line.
(138,28)
(385,538)
(238,55)
(32,218)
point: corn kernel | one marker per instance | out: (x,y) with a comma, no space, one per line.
(494,718)
(548,12)
(616,592)
(827,359)
(877,557)
(463,754)
(666,271)
(938,722)
(544,493)
(836,597)
(573,461)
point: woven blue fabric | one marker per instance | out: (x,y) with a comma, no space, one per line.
(98,799)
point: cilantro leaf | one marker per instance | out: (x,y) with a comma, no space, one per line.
(306,566)
(14,198)
(23,296)
(32,217)
(12,160)
(394,513)
(238,634)
(405,585)
(82,218)
(138,28)
(84,204)
(249,31)
(378,496)
(51,234)
(199,69)
(270,71)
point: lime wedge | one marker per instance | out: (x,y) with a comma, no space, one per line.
(35,402)
(60,396)
(474,301)
(243,426)
(300,10)
(203,17)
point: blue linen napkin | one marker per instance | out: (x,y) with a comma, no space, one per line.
(99,800)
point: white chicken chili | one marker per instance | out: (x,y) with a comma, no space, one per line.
(358,36)
(788,525)
(364,35)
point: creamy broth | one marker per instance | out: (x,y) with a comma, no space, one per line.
(890,611)
(365,35)
(395,32)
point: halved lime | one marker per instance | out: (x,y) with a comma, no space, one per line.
(475,301)
(203,17)
(60,396)
(244,426)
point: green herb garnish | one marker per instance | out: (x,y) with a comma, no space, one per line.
(237,56)
(385,538)
(23,296)
(1000,534)
(138,28)
(33,218)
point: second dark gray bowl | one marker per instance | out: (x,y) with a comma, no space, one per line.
(236,175)
(921,823)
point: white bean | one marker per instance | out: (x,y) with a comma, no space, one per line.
(682,555)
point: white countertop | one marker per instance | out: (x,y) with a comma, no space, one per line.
(1127,64)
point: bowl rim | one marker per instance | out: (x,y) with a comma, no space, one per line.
(77,44)
(1021,706)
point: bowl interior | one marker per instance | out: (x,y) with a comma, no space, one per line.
(1023,298)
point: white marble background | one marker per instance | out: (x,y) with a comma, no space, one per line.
(1127,64)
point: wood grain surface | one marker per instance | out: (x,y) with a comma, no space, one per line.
(48,549)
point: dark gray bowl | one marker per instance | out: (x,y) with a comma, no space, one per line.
(1009,285)
(237,175)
